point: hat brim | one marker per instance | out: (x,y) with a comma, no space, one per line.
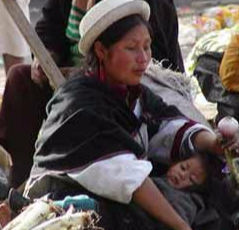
(128,8)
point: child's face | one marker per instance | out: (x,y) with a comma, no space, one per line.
(187,173)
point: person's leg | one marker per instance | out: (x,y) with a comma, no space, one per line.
(21,116)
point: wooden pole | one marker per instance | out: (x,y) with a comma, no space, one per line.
(47,63)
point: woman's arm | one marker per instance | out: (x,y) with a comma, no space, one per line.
(149,197)
(205,140)
(124,178)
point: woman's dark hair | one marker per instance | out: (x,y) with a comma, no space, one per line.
(115,33)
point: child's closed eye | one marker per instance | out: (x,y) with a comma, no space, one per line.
(184,166)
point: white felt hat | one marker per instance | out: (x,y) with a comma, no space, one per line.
(104,14)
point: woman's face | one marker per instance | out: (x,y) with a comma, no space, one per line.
(126,61)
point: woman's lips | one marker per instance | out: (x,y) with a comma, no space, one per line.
(140,71)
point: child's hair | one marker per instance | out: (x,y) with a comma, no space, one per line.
(213,166)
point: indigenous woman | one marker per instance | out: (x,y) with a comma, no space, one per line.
(27,89)
(102,124)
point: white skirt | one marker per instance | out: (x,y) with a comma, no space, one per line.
(11,40)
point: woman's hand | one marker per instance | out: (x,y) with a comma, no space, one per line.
(150,199)
(184,227)
(216,142)
(228,134)
(5,214)
(229,144)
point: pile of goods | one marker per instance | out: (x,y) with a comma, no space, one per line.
(54,215)
(216,18)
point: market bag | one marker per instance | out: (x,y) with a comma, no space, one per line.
(229,67)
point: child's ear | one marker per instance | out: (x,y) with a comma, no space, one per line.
(99,50)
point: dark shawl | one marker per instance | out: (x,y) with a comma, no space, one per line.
(87,121)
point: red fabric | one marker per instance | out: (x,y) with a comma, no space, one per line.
(21,116)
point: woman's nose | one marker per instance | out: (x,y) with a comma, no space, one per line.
(142,56)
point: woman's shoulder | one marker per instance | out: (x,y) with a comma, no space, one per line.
(81,82)
(83,91)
